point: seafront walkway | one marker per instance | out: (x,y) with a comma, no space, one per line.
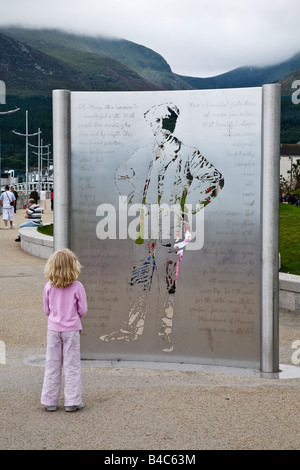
(133,407)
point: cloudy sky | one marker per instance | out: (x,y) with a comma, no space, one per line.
(196,37)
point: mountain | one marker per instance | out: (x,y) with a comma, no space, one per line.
(28,70)
(290,108)
(288,85)
(103,58)
(98,63)
(246,76)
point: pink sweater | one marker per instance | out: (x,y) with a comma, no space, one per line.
(65,306)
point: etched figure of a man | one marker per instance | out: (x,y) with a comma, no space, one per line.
(165,174)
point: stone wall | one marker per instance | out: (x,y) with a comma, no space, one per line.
(289,292)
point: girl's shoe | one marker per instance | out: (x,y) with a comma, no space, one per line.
(51,408)
(74,407)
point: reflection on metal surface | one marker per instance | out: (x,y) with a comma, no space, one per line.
(177,176)
(166,220)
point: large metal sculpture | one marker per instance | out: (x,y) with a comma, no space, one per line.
(168,199)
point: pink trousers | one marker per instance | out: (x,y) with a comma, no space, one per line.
(63,351)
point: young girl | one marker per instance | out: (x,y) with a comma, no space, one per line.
(64,303)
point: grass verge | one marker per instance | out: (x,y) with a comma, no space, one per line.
(46,230)
(289,241)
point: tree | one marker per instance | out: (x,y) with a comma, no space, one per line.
(296,175)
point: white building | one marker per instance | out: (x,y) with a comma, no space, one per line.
(289,154)
(8,178)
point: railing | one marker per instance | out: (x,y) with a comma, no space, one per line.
(46,186)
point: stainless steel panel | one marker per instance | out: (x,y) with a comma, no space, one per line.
(138,159)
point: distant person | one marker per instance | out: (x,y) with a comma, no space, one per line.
(34,216)
(291,199)
(16,196)
(65,303)
(42,202)
(34,195)
(283,198)
(51,198)
(7,202)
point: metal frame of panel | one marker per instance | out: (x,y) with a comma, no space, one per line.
(217,333)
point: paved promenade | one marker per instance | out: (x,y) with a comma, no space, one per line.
(132,408)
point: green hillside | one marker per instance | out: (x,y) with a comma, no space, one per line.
(290,112)
(27,70)
(247,76)
(80,51)
(13,150)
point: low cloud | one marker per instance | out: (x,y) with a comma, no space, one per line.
(196,37)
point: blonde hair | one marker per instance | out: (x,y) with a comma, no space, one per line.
(62,268)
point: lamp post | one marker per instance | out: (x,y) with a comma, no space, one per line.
(39,153)
(2,114)
(27,135)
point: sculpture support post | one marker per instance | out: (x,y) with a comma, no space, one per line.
(270,222)
(61,167)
